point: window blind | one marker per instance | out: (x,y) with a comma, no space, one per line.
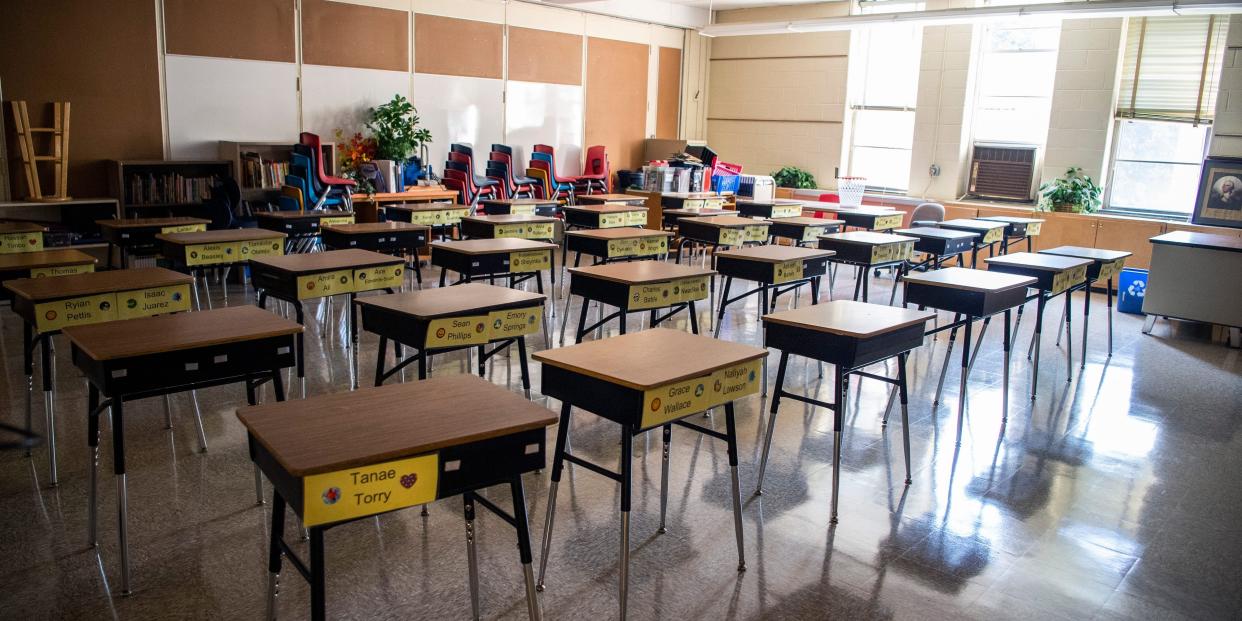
(1171,67)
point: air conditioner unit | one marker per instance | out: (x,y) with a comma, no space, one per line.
(1005,171)
(757,187)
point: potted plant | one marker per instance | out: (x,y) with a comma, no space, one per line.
(394,126)
(1075,193)
(794,177)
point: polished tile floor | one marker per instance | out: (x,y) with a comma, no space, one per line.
(1114,496)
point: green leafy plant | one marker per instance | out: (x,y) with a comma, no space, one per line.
(794,177)
(1075,192)
(394,126)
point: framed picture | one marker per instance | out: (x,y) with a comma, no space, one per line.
(1219,202)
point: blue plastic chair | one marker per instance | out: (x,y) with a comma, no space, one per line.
(300,168)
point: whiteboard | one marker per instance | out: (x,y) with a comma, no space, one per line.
(538,113)
(460,109)
(340,97)
(214,99)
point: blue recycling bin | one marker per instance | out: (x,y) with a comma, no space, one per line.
(1131,286)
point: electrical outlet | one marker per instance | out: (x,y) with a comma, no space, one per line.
(934,170)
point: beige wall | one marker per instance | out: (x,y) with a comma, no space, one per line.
(941,115)
(1083,96)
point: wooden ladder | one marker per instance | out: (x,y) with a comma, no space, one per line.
(60,150)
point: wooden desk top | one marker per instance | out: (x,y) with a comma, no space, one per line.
(804,221)
(146,223)
(113,340)
(44,258)
(603,198)
(491,246)
(451,301)
(604,208)
(970,280)
(774,202)
(774,253)
(364,228)
(1010,219)
(1095,254)
(640,272)
(1041,262)
(429,206)
(685,195)
(650,358)
(510,218)
(620,232)
(973,225)
(344,430)
(220,236)
(848,318)
(75,285)
(1205,241)
(696,213)
(538,202)
(328,261)
(867,238)
(866,211)
(301,215)
(22,227)
(729,222)
(927,231)
(426,193)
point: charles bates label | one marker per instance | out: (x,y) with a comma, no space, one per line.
(680,399)
(152,301)
(786,211)
(1110,269)
(332,220)
(184,228)
(731,237)
(381,277)
(515,322)
(455,331)
(62,270)
(261,248)
(20,242)
(211,254)
(530,261)
(636,218)
(657,295)
(51,316)
(368,490)
(993,235)
(883,223)
(1068,278)
(688,289)
(757,233)
(812,233)
(1032,229)
(786,271)
(612,220)
(327,283)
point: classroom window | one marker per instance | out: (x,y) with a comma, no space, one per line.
(884,87)
(1156,166)
(1017,66)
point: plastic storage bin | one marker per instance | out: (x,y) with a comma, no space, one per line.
(1131,285)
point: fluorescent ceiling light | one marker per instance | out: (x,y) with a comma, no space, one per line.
(1081,9)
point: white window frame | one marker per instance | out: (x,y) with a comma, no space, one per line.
(1159,214)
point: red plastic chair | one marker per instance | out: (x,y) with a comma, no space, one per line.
(312,141)
(459,186)
(543,148)
(597,171)
(515,187)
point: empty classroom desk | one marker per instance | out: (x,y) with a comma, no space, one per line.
(140,358)
(670,217)
(297,277)
(509,226)
(395,238)
(21,237)
(654,378)
(604,216)
(802,230)
(939,245)
(691,200)
(777,208)
(517,206)
(441,217)
(717,231)
(48,305)
(866,251)
(989,233)
(1105,265)
(971,295)
(637,286)
(194,252)
(776,269)
(1017,229)
(622,243)
(136,236)
(301,226)
(1187,272)
(518,259)
(439,321)
(464,435)
(619,199)
(850,336)
(871,218)
(42,264)
(1054,275)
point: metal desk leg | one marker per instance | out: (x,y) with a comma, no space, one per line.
(961,397)
(948,355)
(274,553)
(627,473)
(92,441)
(558,465)
(1005,377)
(1109,313)
(122,495)
(731,431)
(1069,338)
(524,547)
(1086,316)
(1039,324)
(472,559)
(905,412)
(317,582)
(776,401)
(28,367)
(47,356)
(838,411)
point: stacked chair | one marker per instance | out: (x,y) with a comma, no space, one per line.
(556,186)
(472,187)
(596,174)
(515,184)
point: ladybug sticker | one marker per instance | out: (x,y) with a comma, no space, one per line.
(331,495)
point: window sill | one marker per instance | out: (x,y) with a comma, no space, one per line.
(1145,214)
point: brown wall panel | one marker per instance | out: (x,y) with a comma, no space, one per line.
(668,95)
(449,46)
(616,99)
(352,35)
(99,56)
(542,56)
(249,29)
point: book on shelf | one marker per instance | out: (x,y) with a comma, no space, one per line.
(167,189)
(260,173)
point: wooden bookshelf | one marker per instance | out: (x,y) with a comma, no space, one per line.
(269,153)
(70,224)
(122,172)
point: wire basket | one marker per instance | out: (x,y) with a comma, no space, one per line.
(850,190)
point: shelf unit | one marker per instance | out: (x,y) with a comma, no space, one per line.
(71,223)
(120,173)
(268,151)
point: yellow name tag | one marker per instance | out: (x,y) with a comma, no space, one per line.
(453,216)
(688,289)
(325,284)
(542,230)
(515,322)
(731,237)
(636,218)
(786,271)
(786,211)
(522,209)
(887,253)
(211,254)
(332,220)
(757,233)
(637,247)
(1068,278)
(153,301)
(812,233)
(456,331)
(1110,269)
(694,204)
(368,490)
(62,270)
(184,228)
(262,248)
(612,220)
(643,297)
(1033,228)
(884,223)
(993,236)
(51,316)
(530,261)
(11,243)
(680,399)
(380,277)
